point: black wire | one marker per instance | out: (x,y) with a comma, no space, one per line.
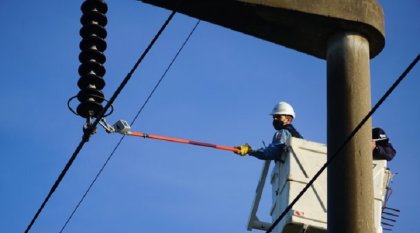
(366,118)
(90,186)
(88,132)
(166,71)
(132,122)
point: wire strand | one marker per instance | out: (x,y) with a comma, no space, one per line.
(132,122)
(91,128)
(166,71)
(91,185)
(366,118)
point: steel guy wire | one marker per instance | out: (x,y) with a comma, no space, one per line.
(132,122)
(366,118)
(88,132)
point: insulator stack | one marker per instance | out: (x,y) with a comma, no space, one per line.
(92,58)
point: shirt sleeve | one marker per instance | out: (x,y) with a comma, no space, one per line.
(275,149)
(384,152)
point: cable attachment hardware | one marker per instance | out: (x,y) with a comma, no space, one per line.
(120,126)
(88,129)
(108,128)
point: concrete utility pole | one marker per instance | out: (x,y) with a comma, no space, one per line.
(347,33)
(350,183)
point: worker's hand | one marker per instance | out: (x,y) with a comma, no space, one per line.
(243,150)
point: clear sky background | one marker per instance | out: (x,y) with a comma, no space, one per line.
(220,90)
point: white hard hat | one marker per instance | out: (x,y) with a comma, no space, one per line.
(283,108)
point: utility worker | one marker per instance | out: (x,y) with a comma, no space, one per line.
(382,148)
(283,115)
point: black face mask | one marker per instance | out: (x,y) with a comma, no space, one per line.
(278,124)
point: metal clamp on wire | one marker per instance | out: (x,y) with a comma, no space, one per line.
(108,128)
(88,129)
(120,126)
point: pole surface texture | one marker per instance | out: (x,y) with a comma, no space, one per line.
(350,182)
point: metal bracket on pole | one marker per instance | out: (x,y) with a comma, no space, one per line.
(254,222)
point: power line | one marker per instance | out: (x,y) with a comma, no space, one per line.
(366,118)
(132,122)
(166,71)
(90,129)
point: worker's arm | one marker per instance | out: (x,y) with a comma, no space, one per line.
(275,149)
(384,151)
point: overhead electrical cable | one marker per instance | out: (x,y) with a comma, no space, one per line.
(132,122)
(166,71)
(366,118)
(91,128)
